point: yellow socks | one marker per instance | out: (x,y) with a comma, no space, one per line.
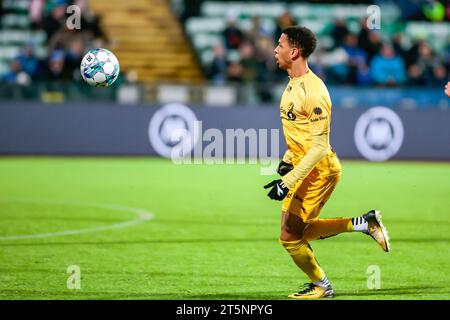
(303,257)
(323,228)
(302,253)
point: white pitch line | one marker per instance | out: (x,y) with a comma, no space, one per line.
(142,216)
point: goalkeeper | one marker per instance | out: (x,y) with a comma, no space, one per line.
(310,169)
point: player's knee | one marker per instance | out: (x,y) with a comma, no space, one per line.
(289,233)
(295,248)
(292,229)
(286,236)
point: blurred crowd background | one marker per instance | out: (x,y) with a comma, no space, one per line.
(231,43)
(347,54)
(50,50)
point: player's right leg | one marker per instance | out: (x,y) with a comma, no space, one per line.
(310,197)
(375,228)
(369,223)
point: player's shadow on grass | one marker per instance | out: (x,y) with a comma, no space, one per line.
(411,290)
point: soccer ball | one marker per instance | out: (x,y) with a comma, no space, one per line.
(100,68)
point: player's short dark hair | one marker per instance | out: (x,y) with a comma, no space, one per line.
(301,38)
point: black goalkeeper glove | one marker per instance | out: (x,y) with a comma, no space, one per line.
(278,191)
(284,168)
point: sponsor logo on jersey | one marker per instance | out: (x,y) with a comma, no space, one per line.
(317,110)
(319,119)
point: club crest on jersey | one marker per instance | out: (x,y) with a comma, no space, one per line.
(290,113)
(317,110)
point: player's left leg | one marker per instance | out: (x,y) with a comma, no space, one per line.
(299,207)
(291,232)
(304,258)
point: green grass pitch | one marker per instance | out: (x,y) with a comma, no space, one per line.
(214,232)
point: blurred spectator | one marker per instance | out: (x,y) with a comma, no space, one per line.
(12,74)
(36,12)
(333,63)
(410,9)
(235,72)
(439,75)
(73,58)
(413,53)
(54,17)
(369,40)
(364,78)
(28,61)
(431,10)
(428,69)
(55,70)
(16,75)
(387,68)
(446,58)
(88,34)
(267,69)
(91,24)
(317,64)
(248,61)
(232,34)
(447,10)
(264,55)
(257,31)
(283,21)
(217,70)
(415,75)
(357,58)
(64,38)
(397,44)
(339,32)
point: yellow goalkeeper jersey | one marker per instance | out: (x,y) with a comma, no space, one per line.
(305,110)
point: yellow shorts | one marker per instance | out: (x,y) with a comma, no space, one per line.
(309,195)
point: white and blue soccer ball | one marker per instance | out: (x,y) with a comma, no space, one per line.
(100,68)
